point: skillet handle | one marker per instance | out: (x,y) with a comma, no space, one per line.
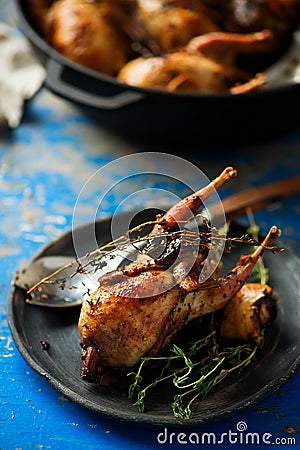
(55,80)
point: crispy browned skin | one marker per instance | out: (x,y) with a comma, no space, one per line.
(128,317)
(207,64)
(123,320)
(226,47)
(89,33)
(248,313)
(172,24)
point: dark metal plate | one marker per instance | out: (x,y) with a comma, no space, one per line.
(60,364)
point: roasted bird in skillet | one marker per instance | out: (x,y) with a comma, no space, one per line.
(138,310)
(206,64)
(146,43)
(89,33)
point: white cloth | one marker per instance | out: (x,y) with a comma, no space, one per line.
(21,75)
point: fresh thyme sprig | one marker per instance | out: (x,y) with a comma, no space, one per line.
(134,238)
(194,371)
(191,372)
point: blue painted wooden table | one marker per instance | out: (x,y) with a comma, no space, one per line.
(44,164)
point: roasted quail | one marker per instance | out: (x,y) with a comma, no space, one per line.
(138,310)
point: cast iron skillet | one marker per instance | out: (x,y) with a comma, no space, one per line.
(160,116)
(59,362)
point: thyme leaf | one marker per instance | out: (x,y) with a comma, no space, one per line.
(192,371)
(97,259)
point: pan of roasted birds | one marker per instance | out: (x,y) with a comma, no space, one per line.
(174,333)
(172,68)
